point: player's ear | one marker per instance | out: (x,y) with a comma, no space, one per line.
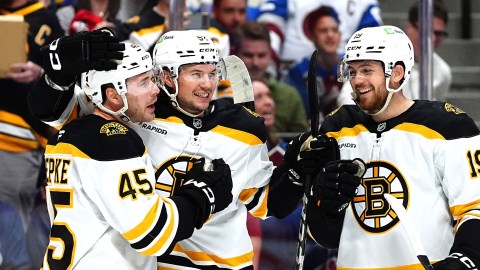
(168,80)
(112,96)
(397,74)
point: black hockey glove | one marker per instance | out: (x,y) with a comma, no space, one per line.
(305,155)
(457,261)
(67,57)
(336,184)
(211,190)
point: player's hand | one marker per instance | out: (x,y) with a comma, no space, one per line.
(67,57)
(210,189)
(336,184)
(305,155)
(457,261)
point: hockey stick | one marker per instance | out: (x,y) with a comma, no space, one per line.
(233,69)
(402,214)
(313,99)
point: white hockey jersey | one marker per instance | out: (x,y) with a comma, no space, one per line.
(223,241)
(174,141)
(101,199)
(428,158)
(288,16)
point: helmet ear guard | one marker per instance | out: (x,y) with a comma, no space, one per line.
(135,61)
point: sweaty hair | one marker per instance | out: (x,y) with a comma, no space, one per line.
(439,11)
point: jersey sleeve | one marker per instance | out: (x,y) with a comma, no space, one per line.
(57,108)
(126,198)
(255,194)
(458,167)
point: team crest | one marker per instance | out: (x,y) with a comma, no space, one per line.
(172,174)
(370,208)
(113,128)
(450,108)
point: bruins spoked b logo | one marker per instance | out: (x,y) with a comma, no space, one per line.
(172,173)
(370,208)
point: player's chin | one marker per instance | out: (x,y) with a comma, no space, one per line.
(202,105)
(147,116)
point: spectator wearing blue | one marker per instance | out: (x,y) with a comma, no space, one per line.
(13,248)
(321,27)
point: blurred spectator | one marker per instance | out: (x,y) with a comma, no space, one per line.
(285,19)
(252,8)
(279,246)
(145,29)
(23,137)
(230,13)
(322,28)
(254,228)
(227,17)
(441,72)
(88,15)
(280,236)
(13,248)
(130,8)
(38,230)
(254,50)
(265,107)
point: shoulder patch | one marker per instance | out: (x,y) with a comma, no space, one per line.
(450,108)
(251,112)
(113,128)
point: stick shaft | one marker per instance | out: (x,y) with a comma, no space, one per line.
(314,100)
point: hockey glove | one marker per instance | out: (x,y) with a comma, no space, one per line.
(305,155)
(67,57)
(336,184)
(211,190)
(457,261)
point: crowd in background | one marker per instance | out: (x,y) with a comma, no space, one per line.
(273,38)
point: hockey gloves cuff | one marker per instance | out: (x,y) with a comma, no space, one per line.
(67,57)
(209,188)
(336,184)
(305,155)
(457,261)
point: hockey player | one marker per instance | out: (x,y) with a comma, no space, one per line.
(101,183)
(187,125)
(425,153)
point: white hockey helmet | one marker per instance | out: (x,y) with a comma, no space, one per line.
(135,61)
(387,44)
(177,48)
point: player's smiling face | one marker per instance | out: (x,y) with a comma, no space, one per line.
(196,83)
(368,82)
